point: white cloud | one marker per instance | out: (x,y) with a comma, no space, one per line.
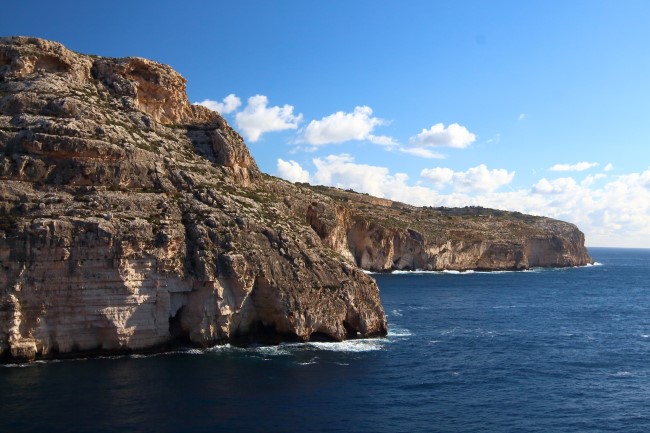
(382,140)
(422,152)
(257,118)
(292,171)
(229,104)
(438,176)
(475,179)
(481,179)
(341,126)
(341,171)
(580,166)
(454,135)
(557,186)
(608,167)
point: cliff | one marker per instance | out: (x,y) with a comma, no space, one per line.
(382,235)
(131,220)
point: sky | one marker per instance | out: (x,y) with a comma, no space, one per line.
(541,107)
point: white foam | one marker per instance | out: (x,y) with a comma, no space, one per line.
(279,350)
(368,272)
(397,313)
(361,345)
(396,331)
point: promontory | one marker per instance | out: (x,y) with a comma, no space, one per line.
(132,220)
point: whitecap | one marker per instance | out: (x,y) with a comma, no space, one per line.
(396,331)
(397,313)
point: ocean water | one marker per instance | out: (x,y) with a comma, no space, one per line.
(537,351)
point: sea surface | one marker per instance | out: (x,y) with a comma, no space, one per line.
(565,350)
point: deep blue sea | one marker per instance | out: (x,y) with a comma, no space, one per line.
(564,350)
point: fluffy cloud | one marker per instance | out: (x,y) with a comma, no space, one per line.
(341,171)
(476,179)
(608,167)
(557,186)
(481,179)
(341,126)
(438,176)
(258,118)
(580,166)
(292,171)
(229,104)
(454,135)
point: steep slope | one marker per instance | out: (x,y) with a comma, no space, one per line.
(132,220)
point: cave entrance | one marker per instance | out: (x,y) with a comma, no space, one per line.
(179,335)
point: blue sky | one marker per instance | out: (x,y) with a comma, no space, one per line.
(536,106)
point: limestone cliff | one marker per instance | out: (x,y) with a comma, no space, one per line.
(382,235)
(131,220)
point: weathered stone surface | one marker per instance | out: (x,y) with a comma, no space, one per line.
(382,235)
(131,220)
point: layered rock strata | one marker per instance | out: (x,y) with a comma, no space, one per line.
(131,220)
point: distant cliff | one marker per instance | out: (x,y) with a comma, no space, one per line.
(131,220)
(382,235)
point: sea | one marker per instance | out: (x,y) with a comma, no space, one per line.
(544,350)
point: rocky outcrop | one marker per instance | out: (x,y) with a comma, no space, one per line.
(381,235)
(131,220)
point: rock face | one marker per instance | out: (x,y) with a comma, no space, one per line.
(131,220)
(382,235)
